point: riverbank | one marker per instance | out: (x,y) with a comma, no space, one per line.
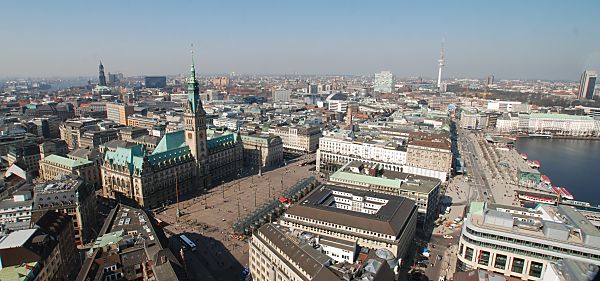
(568,162)
(558,137)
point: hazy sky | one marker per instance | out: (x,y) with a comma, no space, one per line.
(510,39)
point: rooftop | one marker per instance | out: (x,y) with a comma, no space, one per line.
(390,217)
(16,239)
(64,161)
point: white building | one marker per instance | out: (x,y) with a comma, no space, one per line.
(384,82)
(507,106)
(507,123)
(338,106)
(18,208)
(282,95)
(522,242)
(558,124)
(230,123)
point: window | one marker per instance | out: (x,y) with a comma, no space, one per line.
(484,258)
(469,254)
(517,265)
(500,262)
(536,269)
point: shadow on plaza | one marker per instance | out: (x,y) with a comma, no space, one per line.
(215,257)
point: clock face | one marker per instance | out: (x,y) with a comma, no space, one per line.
(189,135)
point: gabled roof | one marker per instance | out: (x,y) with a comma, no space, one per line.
(220,141)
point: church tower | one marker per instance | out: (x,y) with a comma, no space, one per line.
(101,77)
(195,122)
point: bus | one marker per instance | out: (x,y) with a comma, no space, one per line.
(188,243)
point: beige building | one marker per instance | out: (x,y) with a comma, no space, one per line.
(277,254)
(54,166)
(430,152)
(262,150)
(298,139)
(71,130)
(119,112)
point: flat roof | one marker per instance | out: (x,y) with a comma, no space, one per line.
(16,239)
(390,219)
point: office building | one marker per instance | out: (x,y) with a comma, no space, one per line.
(472,119)
(128,248)
(587,85)
(119,112)
(507,106)
(523,243)
(54,167)
(262,150)
(277,253)
(298,139)
(371,220)
(71,130)
(429,155)
(94,138)
(155,81)
(384,82)
(26,156)
(68,196)
(17,209)
(424,191)
(60,227)
(282,95)
(490,80)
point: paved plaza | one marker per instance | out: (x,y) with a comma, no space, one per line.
(212,215)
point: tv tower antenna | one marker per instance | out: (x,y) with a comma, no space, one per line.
(441,62)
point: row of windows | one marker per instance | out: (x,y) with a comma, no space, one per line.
(501,261)
(531,244)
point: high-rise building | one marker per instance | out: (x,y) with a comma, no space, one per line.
(384,82)
(587,84)
(101,77)
(282,95)
(490,80)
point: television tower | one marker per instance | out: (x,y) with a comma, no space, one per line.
(441,62)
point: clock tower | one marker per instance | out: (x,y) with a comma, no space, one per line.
(195,124)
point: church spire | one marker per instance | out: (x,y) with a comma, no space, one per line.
(193,89)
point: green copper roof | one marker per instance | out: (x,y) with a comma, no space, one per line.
(194,92)
(109,239)
(132,157)
(19,272)
(220,141)
(476,208)
(170,141)
(64,161)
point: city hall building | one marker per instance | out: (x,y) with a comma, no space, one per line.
(186,160)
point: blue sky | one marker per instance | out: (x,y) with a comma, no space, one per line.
(510,39)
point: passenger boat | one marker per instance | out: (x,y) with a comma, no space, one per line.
(546,179)
(534,164)
(524,156)
(537,199)
(564,193)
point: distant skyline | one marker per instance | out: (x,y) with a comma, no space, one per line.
(549,40)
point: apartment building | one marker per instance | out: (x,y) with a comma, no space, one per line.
(262,150)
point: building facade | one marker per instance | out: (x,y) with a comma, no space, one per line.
(522,242)
(298,139)
(119,112)
(372,220)
(587,85)
(54,166)
(183,161)
(69,196)
(262,150)
(384,82)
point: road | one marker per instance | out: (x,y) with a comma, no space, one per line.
(479,188)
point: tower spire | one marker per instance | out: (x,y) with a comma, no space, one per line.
(193,68)
(441,62)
